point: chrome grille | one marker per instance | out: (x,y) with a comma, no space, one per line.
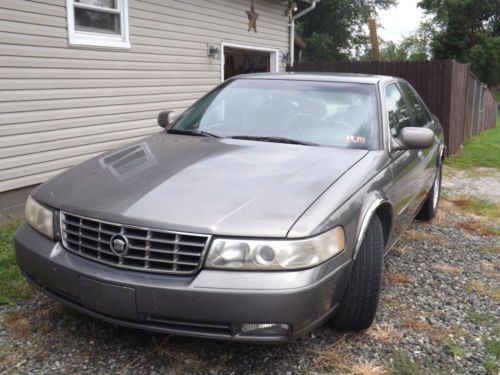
(149,250)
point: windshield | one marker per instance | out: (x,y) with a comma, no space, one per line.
(309,112)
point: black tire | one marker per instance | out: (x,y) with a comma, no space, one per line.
(431,204)
(359,305)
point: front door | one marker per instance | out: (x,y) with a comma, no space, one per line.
(406,166)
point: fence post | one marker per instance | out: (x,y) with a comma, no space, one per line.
(473,108)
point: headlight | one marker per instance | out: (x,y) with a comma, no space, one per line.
(275,254)
(39,217)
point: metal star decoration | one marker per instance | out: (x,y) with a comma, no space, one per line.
(252,18)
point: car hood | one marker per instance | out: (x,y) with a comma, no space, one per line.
(200,184)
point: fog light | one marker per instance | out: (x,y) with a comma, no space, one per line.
(274,329)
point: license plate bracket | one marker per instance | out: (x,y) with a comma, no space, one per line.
(108,299)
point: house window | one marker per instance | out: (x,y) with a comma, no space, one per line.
(98,23)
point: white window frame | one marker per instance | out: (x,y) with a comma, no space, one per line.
(80,38)
(274,64)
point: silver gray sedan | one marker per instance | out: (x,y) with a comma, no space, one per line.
(260,212)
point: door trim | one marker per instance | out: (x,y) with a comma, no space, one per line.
(273,52)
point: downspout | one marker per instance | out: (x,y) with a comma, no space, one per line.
(292,19)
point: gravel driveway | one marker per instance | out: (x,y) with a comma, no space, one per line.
(438,314)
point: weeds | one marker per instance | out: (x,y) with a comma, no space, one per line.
(447,268)
(491,366)
(478,207)
(425,237)
(368,368)
(399,279)
(492,363)
(493,249)
(402,364)
(456,350)
(420,325)
(478,228)
(385,333)
(481,318)
(481,288)
(13,287)
(493,347)
(336,357)
(19,324)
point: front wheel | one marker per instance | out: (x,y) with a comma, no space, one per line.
(358,307)
(431,204)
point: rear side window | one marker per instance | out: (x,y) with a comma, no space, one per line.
(399,116)
(418,111)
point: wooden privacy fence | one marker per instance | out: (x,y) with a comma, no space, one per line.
(464,105)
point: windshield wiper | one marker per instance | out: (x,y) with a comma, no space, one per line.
(193,132)
(274,139)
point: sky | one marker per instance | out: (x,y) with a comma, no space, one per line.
(400,21)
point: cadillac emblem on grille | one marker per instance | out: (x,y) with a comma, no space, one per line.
(119,244)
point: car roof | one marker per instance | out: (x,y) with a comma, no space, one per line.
(323,77)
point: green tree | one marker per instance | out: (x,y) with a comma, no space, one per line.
(468,32)
(414,47)
(485,60)
(336,29)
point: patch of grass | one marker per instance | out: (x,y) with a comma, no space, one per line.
(456,350)
(478,207)
(422,326)
(399,279)
(183,360)
(19,324)
(491,366)
(367,368)
(481,288)
(483,319)
(478,228)
(402,364)
(13,287)
(491,249)
(336,357)
(384,333)
(493,347)
(425,237)
(447,268)
(492,363)
(480,151)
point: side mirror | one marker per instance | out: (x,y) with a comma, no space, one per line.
(166,118)
(413,139)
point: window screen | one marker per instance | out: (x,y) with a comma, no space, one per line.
(94,21)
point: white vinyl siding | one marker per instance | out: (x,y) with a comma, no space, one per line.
(61,105)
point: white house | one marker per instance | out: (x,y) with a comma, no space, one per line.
(80,77)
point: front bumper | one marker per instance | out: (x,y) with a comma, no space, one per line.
(211,304)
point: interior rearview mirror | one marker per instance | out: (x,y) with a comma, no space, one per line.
(166,118)
(413,139)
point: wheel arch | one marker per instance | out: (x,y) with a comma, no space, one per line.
(384,211)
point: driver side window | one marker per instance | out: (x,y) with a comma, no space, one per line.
(399,116)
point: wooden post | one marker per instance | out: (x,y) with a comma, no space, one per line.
(372,23)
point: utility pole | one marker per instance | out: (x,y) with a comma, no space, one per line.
(372,24)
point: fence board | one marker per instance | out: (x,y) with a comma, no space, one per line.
(452,92)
